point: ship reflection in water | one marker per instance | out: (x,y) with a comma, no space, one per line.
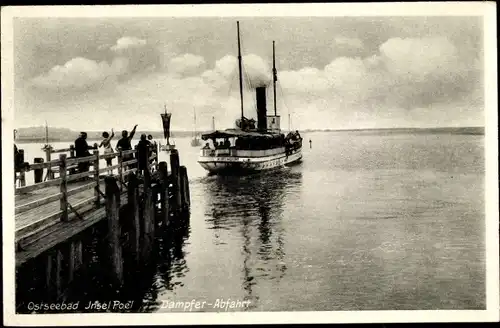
(251,208)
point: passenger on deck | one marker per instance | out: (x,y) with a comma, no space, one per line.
(227,143)
(207,146)
(106,143)
(82,150)
(125,143)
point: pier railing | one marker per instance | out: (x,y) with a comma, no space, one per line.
(67,174)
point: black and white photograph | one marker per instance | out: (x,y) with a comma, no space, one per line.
(250,163)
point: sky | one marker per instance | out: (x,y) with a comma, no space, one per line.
(333,72)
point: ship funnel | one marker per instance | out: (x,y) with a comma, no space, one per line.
(261,109)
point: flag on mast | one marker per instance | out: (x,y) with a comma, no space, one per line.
(165,117)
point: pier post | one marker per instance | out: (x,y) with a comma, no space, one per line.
(48,274)
(133,203)
(148,212)
(58,274)
(74,258)
(163,171)
(184,188)
(50,173)
(114,231)
(63,188)
(38,172)
(96,178)
(174,167)
(71,261)
(22,177)
(78,254)
(120,168)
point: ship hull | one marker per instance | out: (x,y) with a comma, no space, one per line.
(247,165)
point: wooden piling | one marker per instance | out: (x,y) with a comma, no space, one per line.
(78,254)
(96,178)
(63,188)
(120,168)
(148,211)
(22,177)
(114,230)
(174,167)
(50,173)
(133,203)
(71,260)
(38,172)
(58,274)
(48,274)
(186,200)
(163,171)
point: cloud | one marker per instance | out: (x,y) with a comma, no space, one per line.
(417,58)
(81,73)
(407,82)
(350,42)
(406,73)
(128,42)
(186,65)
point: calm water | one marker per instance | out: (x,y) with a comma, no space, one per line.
(365,222)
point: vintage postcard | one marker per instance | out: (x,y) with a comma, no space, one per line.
(199,164)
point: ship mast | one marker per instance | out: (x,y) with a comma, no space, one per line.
(275,78)
(239,67)
(194,112)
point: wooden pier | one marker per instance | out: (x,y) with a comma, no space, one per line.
(52,212)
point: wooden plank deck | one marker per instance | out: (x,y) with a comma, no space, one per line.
(61,231)
(36,234)
(24,219)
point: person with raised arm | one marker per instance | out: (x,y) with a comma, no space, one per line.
(108,149)
(125,143)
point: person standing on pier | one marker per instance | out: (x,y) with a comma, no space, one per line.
(143,153)
(154,145)
(125,143)
(82,150)
(106,143)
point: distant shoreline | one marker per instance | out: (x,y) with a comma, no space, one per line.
(383,131)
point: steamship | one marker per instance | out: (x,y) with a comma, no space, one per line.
(252,146)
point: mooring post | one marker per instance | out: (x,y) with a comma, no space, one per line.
(96,178)
(71,261)
(63,187)
(133,203)
(114,230)
(48,274)
(58,273)
(184,187)
(38,172)
(78,254)
(148,212)
(174,167)
(50,173)
(120,168)
(22,177)
(163,171)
